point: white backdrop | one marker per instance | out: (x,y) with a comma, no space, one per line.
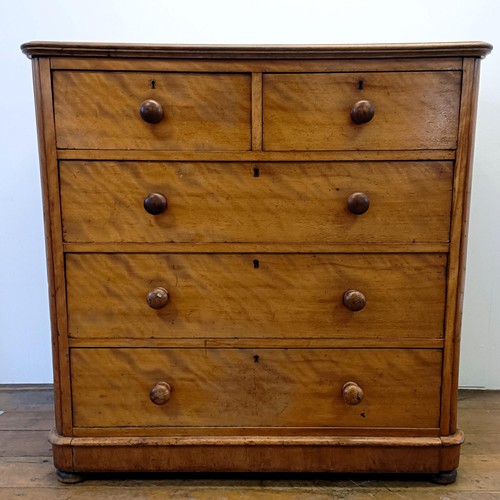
(24,325)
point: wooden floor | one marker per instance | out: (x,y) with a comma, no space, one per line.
(26,469)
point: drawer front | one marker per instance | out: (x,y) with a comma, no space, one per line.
(409,202)
(255,296)
(413,110)
(255,387)
(100,110)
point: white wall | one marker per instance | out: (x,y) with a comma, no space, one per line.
(24,329)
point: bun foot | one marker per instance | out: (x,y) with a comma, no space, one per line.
(445,477)
(68,477)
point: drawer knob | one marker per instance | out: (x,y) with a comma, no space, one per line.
(151,111)
(352,393)
(354,300)
(157,298)
(358,203)
(155,203)
(362,112)
(160,393)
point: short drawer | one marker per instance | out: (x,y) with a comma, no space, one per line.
(412,110)
(146,296)
(255,387)
(406,202)
(201,111)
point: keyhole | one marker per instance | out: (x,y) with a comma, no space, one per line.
(153,84)
(361,85)
(256,171)
(256,358)
(256,264)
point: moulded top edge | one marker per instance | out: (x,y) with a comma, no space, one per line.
(87,49)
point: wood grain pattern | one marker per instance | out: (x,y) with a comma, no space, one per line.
(255,387)
(256,111)
(264,202)
(53,241)
(202,111)
(416,110)
(259,459)
(259,66)
(288,296)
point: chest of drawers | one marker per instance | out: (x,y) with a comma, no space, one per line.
(256,254)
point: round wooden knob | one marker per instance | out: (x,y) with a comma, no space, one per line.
(157,298)
(354,300)
(358,203)
(362,112)
(160,393)
(151,111)
(352,393)
(155,203)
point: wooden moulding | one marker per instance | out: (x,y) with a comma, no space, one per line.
(267,343)
(258,454)
(260,156)
(475,49)
(254,248)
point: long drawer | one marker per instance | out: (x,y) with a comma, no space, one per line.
(201,111)
(405,110)
(324,202)
(255,387)
(256,295)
